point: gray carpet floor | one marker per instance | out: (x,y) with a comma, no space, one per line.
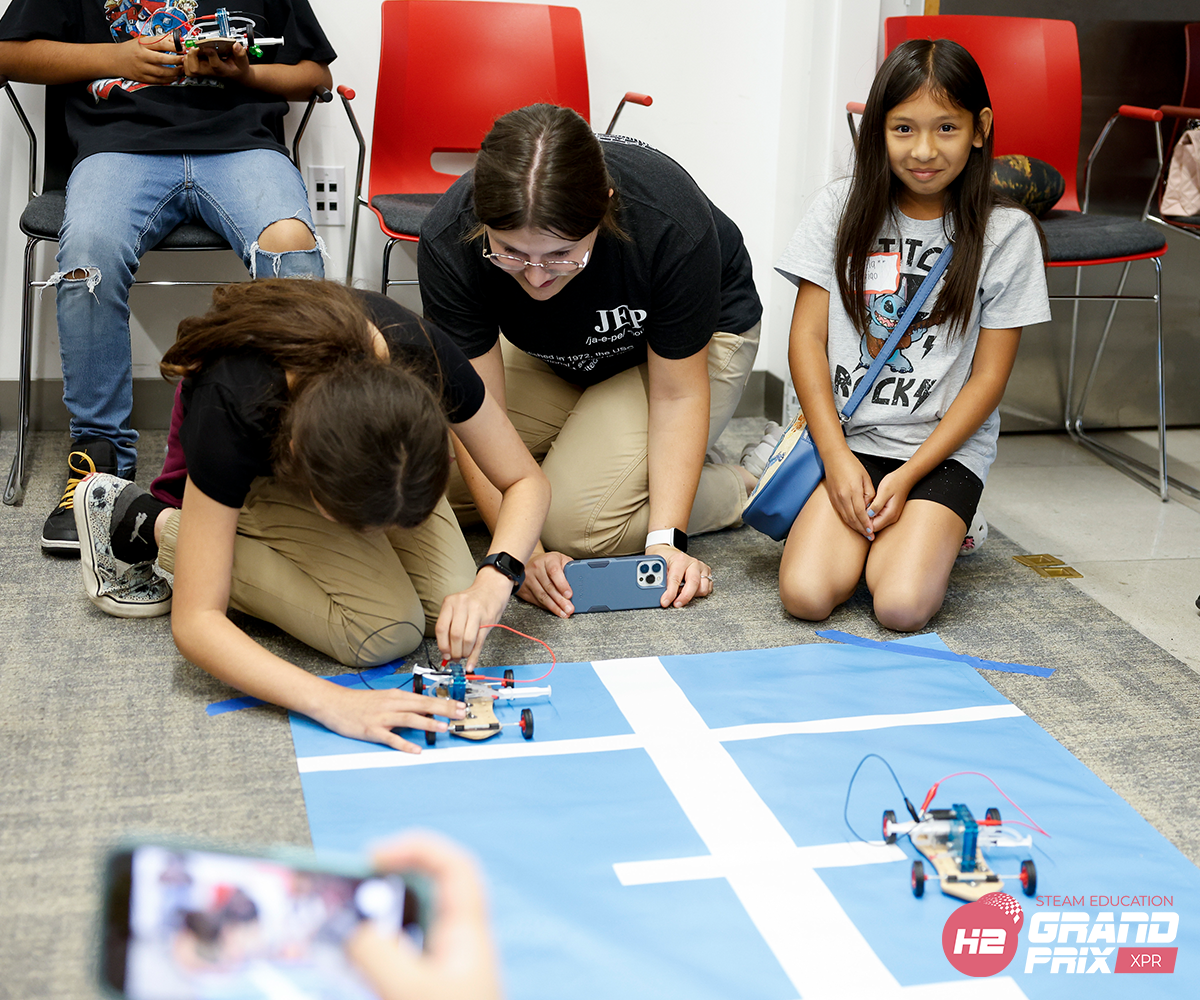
(103,730)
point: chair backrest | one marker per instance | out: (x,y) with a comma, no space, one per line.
(449,68)
(1031,66)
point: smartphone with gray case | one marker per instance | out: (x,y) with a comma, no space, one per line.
(183,921)
(620,583)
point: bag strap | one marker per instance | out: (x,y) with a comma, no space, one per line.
(902,325)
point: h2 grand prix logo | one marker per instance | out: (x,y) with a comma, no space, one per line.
(1075,941)
(981,938)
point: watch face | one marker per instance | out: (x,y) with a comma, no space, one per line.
(506,564)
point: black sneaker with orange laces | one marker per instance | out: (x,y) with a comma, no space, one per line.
(87,456)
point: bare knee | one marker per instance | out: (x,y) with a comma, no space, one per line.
(286,235)
(801,599)
(905,613)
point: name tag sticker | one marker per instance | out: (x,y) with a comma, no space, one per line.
(883,274)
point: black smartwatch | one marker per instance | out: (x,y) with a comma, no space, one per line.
(514,569)
(668,536)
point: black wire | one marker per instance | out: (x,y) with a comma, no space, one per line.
(850,786)
(369,637)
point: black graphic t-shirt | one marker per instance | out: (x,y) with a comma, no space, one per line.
(191,116)
(683,275)
(226,417)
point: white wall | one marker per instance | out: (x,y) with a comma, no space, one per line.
(747,97)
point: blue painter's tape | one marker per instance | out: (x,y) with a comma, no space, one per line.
(342,680)
(937,654)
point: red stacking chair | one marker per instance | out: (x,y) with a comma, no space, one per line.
(447,70)
(1032,70)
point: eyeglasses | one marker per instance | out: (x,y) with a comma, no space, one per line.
(554,268)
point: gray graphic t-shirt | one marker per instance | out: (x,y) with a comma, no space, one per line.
(925,373)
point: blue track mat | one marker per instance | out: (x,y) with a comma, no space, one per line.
(675,828)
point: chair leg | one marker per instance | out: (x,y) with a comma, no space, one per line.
(14,491)
(1075,420)
(387,260)
(1155,479)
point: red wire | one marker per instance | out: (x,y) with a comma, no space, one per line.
(532,638)
(933,791)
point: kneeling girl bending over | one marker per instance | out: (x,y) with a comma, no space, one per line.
(903,480)
(304,484)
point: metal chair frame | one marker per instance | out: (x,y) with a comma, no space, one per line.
(1155,479)
(14,491)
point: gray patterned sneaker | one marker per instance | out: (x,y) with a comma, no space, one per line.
(756,454)
(115,587)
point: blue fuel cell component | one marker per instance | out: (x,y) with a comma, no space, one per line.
(964,836)
(458,683)
(223,27)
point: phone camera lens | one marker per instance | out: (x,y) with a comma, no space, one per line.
(644,568)
(649,577)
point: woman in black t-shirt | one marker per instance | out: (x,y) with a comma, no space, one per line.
(304,484)
(630,325)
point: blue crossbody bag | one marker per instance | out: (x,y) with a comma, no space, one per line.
(795,467)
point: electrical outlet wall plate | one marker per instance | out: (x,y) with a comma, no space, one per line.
(327,195)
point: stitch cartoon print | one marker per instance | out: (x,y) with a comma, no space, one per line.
(884,310)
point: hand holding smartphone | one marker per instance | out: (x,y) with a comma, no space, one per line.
(183,922)
(618,583)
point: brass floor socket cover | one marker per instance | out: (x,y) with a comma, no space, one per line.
(1044,559)
(1057,571)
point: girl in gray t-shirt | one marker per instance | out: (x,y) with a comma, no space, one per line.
(903,478)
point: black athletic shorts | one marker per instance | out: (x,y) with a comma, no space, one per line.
(951,484)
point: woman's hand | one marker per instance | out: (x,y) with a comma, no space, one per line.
(462,623)
(850,491)
(459,959)
(546,585)
(890,499)
(687,576)
(372,715)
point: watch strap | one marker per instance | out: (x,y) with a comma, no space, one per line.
(668,536)
(510,566)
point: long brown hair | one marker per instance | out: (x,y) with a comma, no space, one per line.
(367,437)
(542,168)
(949,72)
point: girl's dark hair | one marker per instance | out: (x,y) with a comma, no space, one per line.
(948,72)
(367,437)
(542,168)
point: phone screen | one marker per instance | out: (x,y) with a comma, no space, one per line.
(196,924)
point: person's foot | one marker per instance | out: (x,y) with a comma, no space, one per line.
(755,456)
(716,455)
(86,457)
(975,537)
(118,588)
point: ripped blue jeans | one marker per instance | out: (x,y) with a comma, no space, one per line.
(119,205)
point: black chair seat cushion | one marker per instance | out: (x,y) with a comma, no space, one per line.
(1075,236)
(1182,220)
(43,217)
(404,213)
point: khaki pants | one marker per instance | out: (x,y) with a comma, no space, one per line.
(363,598)
(592,445)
